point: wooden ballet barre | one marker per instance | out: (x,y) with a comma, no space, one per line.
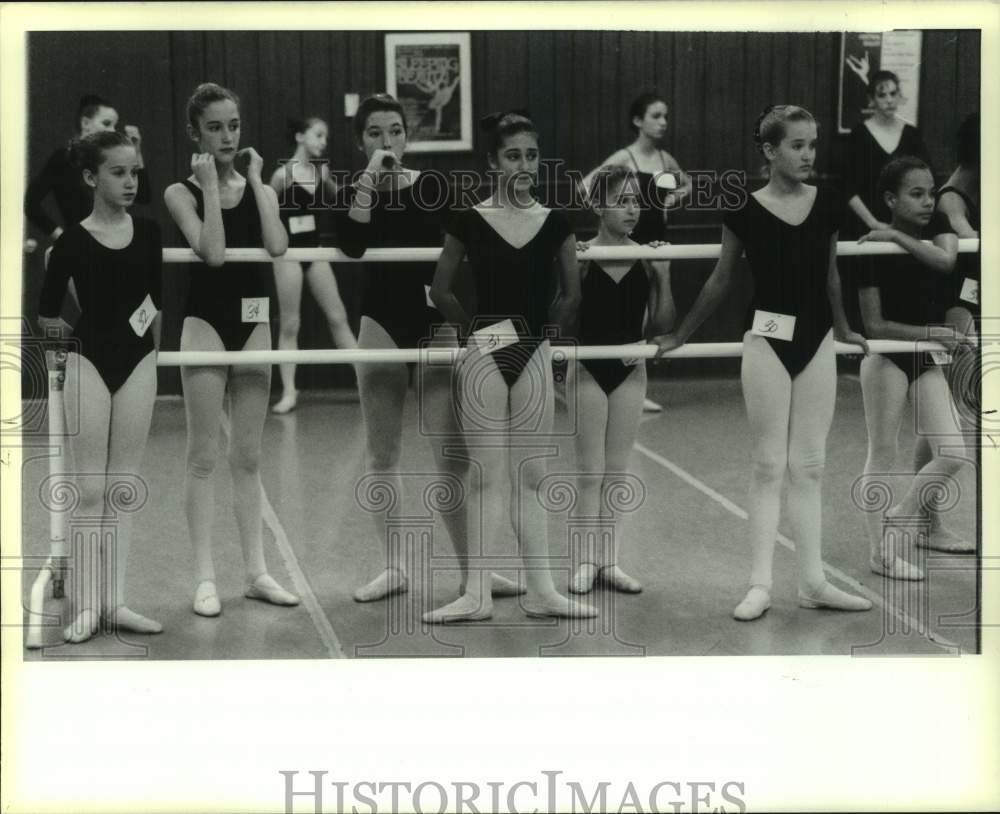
(703,251)
(697,350)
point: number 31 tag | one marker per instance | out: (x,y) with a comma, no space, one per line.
(775,326)
(496,336)
(143,317)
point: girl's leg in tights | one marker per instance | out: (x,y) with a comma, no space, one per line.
(88,412)
(789,422)
(383,392)
(249,386)
(937,425)
(606,433)
(131,412)
(288,283)
(438,417)
(884,388)
(323,285)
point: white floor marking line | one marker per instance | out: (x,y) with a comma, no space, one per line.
(907,620)
(299,581)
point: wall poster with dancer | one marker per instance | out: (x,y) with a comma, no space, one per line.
(861,54)
(430,74)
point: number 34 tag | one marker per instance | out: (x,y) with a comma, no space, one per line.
(775,326)
(496,336)
(255,309)
(143,317)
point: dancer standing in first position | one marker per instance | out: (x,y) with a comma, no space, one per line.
(623,301)
(228,308)
(516,248)
(789,374)
(115,261)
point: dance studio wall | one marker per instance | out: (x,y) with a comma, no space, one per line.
(577,86)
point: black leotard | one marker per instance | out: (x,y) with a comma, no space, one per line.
(968,264)
(910,293)
(305,206)
(397,295)
(612,314)
(216,294)
(512,283)
(652,201)
(864,162)
(790,266)
(74,199)
(111,284)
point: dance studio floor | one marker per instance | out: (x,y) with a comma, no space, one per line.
(687,543)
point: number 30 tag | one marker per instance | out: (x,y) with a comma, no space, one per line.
(143,317)
(775,326)
(496,336)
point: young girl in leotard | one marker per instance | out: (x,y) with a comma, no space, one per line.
(789,375)
(393,205)
(623,301)
(901,297)
(74,198)
(305,194)
(114,260)
(871,145)
(228,308)
(516,249)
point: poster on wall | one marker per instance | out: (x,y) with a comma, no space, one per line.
(430,74)
(861,54)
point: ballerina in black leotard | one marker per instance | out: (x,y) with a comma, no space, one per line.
(516,248)
(305,194)
(617,296)
(114,260)
(228,308)
(789,232)
(901,297)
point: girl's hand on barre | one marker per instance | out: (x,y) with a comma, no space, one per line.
(852,338)
(665,343)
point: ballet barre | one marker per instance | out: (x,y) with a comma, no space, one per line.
(699,251)
(448,355)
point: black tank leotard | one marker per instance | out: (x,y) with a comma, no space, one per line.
(968,264)
(512,283)
(652,202)
(790,266)
(396,295)
(612,314)
(216,294)
(305,205)
(111,284)
(910,293)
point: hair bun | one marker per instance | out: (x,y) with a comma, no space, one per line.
(491,121)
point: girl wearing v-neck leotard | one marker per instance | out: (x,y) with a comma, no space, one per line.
(789,373)
(867,155)
(623,302)
(523,260)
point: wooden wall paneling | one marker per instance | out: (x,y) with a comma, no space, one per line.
(687,130)
(543,89)
(281,94)
(187,67)
(967,78)
(214,55)
(723,100)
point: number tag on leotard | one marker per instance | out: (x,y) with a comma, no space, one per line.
(427,297)
(493,337)
(775,326)
(256,309)
(301,223)
(940,357)
(143,316)
(970,291)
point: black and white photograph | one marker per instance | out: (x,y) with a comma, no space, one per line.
(432,376)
